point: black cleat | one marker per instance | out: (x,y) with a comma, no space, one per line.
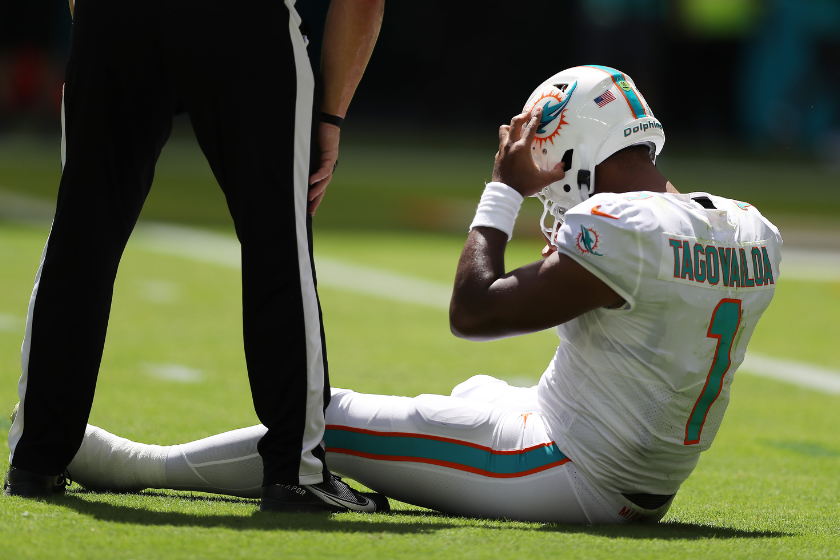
(28,484)
(331,495)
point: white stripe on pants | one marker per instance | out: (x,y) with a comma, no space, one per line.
(16,429)
(310,466)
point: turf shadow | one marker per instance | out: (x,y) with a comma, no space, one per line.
(667,531)
(379,523)
(181,495)
(654,531)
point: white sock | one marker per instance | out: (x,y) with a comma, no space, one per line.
(226,463)
(109,462)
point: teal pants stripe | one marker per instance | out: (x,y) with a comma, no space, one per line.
(442,450)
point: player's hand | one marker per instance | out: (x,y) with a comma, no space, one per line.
(549,249)
(328,137)
(514,165)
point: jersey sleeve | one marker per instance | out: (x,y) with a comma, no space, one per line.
(608,235)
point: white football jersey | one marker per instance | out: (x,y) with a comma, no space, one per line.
(634,395)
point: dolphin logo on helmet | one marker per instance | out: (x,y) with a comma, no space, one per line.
(552,120)
(591,133)
(551,112)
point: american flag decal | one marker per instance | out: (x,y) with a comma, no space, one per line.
(604,98)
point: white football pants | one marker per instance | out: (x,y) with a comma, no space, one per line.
(484,451)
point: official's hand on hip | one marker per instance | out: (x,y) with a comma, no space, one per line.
(328,137)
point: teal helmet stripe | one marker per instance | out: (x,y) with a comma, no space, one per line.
(420,448)
(636,105)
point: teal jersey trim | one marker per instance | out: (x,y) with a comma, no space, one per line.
(724,326)
(442,451)
(636,105)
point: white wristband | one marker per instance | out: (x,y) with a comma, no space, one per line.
(498,208)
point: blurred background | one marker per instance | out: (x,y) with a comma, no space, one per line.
(746,90)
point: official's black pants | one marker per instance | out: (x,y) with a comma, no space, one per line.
(241,71)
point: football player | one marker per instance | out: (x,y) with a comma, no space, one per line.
(655,296)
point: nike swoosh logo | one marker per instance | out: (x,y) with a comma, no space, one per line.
(366,506)
(597,212)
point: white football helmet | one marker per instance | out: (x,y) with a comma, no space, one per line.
(589,113)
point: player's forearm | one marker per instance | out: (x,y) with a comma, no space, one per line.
(351,31)
(488,303)
(473,309)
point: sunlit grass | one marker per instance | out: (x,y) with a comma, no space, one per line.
(767,488)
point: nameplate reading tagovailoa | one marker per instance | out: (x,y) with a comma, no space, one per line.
(721,266)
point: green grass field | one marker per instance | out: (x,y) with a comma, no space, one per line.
(768,488)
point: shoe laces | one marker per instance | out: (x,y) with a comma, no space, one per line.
(342,488)
(63,480)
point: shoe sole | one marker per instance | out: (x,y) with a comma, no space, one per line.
(24,490)
(287,507)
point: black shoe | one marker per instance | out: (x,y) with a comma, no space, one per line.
(27,484)
(331,495)
(32,485)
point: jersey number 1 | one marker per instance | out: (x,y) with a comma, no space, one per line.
(723,326)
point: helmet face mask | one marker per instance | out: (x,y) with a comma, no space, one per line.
(589,113)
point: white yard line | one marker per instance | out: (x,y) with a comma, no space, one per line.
(810,265)
(223,250)
(10,323)
(16,207)
(797,264)
(805,375)
(209,247)
(173,372)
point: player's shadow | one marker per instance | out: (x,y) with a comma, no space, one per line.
(657,531)
(668,531)
(427,521)
(103,511)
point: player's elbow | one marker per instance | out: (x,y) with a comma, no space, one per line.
(466,323)
(458,325)
(463,329)
(367,6)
